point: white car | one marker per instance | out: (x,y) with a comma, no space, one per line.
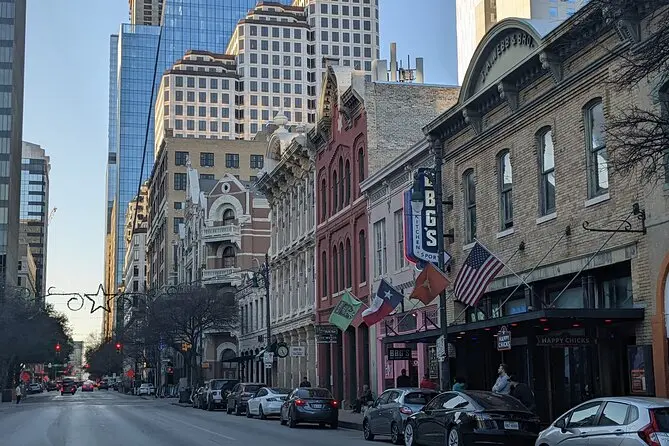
(266,402)
(146,389)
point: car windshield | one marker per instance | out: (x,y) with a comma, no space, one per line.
(315,393)
(252,388)
(662,418)
(279,391)
(421,398)
(494,401)
(218,384)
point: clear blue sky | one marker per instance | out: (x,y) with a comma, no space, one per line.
(66,108)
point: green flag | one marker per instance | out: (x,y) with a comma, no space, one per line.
(345,311)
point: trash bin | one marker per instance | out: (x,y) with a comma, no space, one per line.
(7,395)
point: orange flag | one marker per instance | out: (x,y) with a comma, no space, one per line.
(429,284)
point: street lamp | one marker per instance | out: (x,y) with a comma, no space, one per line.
(417,201)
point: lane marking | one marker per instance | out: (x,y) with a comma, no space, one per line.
(200,428)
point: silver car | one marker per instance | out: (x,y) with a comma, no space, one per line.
(617,421)
(391,410)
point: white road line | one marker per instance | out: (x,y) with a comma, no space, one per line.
(200,428)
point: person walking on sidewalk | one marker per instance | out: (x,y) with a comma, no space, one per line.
(18,393)
(502,385)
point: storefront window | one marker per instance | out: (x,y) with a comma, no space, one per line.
(571,298)
(616,293)
(407,322)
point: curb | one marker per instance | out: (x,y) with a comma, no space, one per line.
(180,404)
(350,425)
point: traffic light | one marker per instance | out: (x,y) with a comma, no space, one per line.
(57,348)
(118,347)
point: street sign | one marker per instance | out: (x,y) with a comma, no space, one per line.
(326,334)
(298,351)
(503,339)
(49,366)
(130,373)
(268,358)
(399,354)
(25,377)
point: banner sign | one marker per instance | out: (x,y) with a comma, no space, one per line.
(565,340)
(326,334)
(399,354)
(420,225)
(503,339)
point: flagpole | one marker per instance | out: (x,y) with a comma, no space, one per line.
(508,260)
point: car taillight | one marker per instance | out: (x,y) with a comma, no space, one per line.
(300,403)
(334,404)
(406,410)
(273,399)
(649,433)
(485,422)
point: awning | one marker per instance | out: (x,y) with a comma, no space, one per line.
(424,336)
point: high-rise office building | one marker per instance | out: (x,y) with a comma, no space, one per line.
(12,56)
(145,12)
(35,167)
(475,17)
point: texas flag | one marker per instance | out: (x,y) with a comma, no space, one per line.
(385,301)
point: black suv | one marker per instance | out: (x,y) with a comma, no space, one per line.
(241,393)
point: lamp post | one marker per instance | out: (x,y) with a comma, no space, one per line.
(263,272)
(418,197)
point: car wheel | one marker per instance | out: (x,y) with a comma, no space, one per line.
(408,435)
(291,419)
(228,409)
(238,411)
(248,412)
(395,435)
(367,431)
(334,425)
(261,414)
(453,438)
(281,420)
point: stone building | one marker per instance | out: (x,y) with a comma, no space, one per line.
(527,170)
(288,182)
(361,125)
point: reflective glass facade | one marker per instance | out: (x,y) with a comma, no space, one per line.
(12,52)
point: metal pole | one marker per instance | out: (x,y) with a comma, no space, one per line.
(437,146)
(268,342)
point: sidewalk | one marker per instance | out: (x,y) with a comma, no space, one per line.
(349,420)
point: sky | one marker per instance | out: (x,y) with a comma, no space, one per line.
(66,112)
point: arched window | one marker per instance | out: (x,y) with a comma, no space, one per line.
(361,165)
(469,186)
(229,257)
(598,157)
(347,176)
(342,268)
(324,273)
(335,270)
(546,171)
(228,217)
(362,244)
(335,195)
(341,183)
(505,189)
(324,200)
(349,264)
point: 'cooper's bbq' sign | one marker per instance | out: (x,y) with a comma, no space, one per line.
(516,39)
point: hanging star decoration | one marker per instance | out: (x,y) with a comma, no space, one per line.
(94,298)
(426,284)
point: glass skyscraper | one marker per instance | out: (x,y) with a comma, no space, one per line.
(12,55)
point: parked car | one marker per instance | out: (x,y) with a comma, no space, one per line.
(68,387)
(196,397)
(390,410)
(623,421)
(472,417)
(34,388)
(216,393)
(146,389)
(51,386)
(238,398)
(267,402)
(310,405)
(87,386)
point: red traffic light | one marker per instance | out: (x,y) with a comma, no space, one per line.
(57,347)
(118,346)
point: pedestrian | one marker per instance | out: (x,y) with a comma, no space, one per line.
(523,393)
(460,384)
(18,394)
(426,383)
(502,384)
(403,380)
(305,382)
(364,398)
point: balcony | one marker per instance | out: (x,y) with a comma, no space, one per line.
(222,275)
(228,233)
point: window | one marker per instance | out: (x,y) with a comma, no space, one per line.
(470,206)
(207,176)
(178,205)
(335,270)
(347,177)
(505,193)
(180,158)
(341,183)
(177,221)
(349,265)
(206,159)
(335,196)
(584,415)
(614,414)
(257,161)
(400,260)
(362,242)
(135,271)
(229,257)
(598,158)
(361,165)
(324,274)
(547,180)
(324,194)
(380,264)
(232,160)
(228,217)
(179,181)
(342,268)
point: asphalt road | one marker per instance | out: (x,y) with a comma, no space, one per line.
(107,418)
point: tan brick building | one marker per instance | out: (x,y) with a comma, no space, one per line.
(167,191)
(526,167)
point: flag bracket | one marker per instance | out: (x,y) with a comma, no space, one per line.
(625,224)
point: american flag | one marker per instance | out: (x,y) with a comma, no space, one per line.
(476,273)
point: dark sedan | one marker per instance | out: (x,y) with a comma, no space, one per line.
(310,405)
(68,387)
(472,417)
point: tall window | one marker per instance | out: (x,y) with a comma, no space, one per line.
(335,270)
(505,190)
(349,264)
(324,200)
(341,183)
(469,185)
(400,259)
(335,195)
(206,159)
(361,165)
(232,160)
(228,257)
(380,263)
(179,181)
(598,158)
(257,161)
(362,242)
(324,273)
(547,180)
(347,176)
(342,268)
(228,217)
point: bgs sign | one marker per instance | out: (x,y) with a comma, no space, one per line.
(399,354)
(420,225)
